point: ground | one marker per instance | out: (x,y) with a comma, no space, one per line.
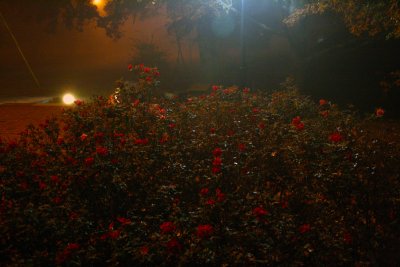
(15,117)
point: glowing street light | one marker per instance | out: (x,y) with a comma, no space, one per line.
(68,99)
(97,2)
(100,5)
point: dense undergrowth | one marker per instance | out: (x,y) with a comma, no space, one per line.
(229,178)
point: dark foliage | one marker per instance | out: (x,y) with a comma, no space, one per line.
(229,178)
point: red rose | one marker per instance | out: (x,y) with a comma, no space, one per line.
(296,120)
(130,67)
(259,211)
(89,161)
(144,250)
(324,113)
(140,66)
(322,102)
(141,141)
(216,170)
(176,201)
(231,133)
(164,138)
(335,137)
(114,234)
(72,246)
(217,152)
(204,191)
(54,179)
(42,185)
(217,162)
(261,126)
(242,147)
(347,238)
(102,151)
(119,135)
(124,221)
(24,185)
(60,141)
(220,195)
(215,87)
(83,137)
(300,126)
(167,227)
(104,236)
(78,102)
(210,202)
(73,216)
(57,200)
(246,90)
(304,228)
(98,135)
(204,231)
(379,112)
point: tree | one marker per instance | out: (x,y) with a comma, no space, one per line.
(71,13)
(370,17)
(313,28)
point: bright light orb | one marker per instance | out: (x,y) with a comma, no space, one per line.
(97,2)
(68,99)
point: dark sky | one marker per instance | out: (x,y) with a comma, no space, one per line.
(87,61)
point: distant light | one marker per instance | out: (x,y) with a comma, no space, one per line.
(97,2)
(100,5)
(68,99)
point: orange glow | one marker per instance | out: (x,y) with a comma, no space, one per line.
(68,99)
(97,2)
(100,4)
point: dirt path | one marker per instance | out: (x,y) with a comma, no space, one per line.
(15,117)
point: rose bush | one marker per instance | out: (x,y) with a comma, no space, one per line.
(234,177)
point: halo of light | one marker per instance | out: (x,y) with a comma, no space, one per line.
(97,2)
(68,99)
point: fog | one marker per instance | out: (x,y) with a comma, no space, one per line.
(319,53)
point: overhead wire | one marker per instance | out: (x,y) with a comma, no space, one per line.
(20,50)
